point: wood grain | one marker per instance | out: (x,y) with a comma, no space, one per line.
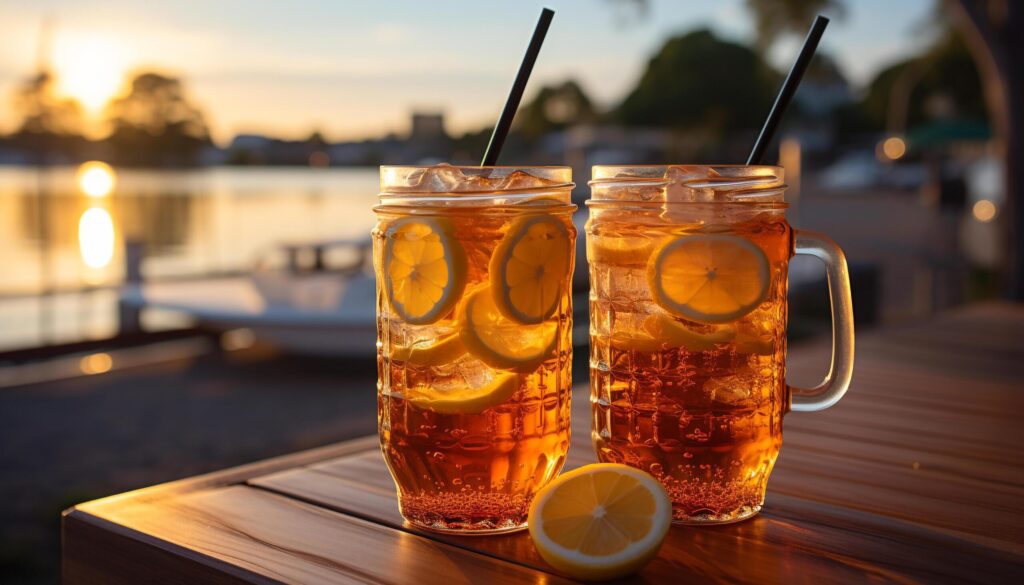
(802,541)
(917,476)
(280,539)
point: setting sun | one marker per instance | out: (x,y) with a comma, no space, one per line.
(89,69)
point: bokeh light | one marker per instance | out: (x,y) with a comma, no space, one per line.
(984,211)
(237,339)
(894,148)
(96,179)
(97,363)
(96,237)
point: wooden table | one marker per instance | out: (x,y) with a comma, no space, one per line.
(916,477)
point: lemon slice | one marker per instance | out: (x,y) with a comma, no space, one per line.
(454,396)
(500,342)
(432,353)
(660,332)
(424,269)
(620,251)
(708,278)
(600,521)
(529,268)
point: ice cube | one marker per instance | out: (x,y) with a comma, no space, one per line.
(731,390)
(442,178)
(681,180)
(425,335)
(466,372)
(519,179)
(472,373)
(680,189)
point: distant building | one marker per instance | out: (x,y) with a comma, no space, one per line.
(427,140)
(427,126)
(253,142)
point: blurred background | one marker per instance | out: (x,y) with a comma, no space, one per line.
(186,192)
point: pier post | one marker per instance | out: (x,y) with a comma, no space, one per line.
(129,316)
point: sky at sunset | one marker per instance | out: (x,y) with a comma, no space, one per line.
(356,69)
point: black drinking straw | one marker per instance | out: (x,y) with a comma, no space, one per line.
(788,89)
(505,120)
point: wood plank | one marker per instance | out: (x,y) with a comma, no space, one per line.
(229,476)
(916,477)
(246,533)
(794,540)
(973,508)
(901,455)
(962,466)
(99,552)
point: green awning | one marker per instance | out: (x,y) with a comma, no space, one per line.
(946,132)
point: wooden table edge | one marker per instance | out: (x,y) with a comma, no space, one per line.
(139,548)
(143,557)
(231,475)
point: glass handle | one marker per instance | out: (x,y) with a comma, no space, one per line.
(837,381)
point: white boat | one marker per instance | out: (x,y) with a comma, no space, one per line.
(319,310)
(327,312)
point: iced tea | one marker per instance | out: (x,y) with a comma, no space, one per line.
(474,339)
(688,320)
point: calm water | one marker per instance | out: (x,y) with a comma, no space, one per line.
(55,236)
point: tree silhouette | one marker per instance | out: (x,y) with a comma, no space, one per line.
(555,108)
(991,31)
(775,18)
(947,69)
(698,81)
(50,125)
(155,125)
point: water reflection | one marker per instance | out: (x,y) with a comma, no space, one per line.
(96,179)
(57,237)
(96,237)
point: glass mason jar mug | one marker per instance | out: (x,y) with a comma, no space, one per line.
(474,347)
(688,272)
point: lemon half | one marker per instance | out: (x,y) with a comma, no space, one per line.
(601,521)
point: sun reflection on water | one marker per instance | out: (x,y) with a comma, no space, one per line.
(96,237)
(96,179)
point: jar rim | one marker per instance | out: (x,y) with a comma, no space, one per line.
(556,208)
(747,184)
(595,169)
(638,205)
(409,179)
